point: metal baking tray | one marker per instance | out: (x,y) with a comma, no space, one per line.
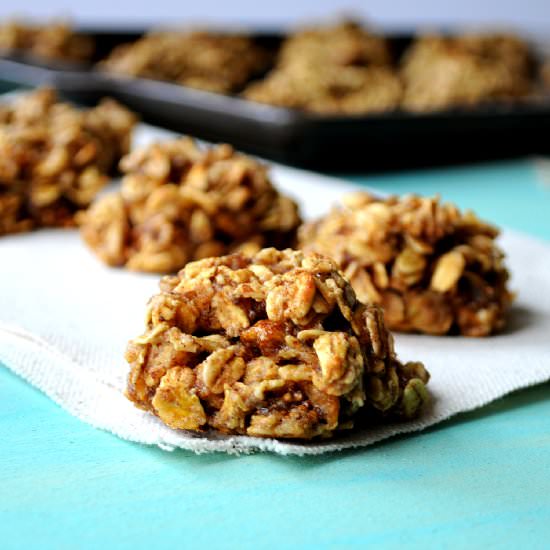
(323,142)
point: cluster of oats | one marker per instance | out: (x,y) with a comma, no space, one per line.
(54,159)
(333,69)
(211,61)
(179,202)
(432,268)
(53,41)
(442,72)
(271,345)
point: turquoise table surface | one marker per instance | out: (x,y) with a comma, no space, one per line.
(481,480)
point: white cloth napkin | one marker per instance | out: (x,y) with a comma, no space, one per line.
(65,319)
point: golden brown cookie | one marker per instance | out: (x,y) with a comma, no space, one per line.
(442,72)
(333,69)
(432,268)
(52,41)
(179,203)
(54,159)
(210,61)
(273,345)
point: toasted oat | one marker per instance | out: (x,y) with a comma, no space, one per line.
(54,159)
(441,72)
(180,203)
(270,345)
(211,61)
(432,268)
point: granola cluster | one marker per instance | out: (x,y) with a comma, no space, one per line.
(442,72)
(432,268)
(274,345)
(179,203)
(333,69)
(53,41)
(206,60)
(54,158)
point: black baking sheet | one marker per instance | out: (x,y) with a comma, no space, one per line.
(368,142)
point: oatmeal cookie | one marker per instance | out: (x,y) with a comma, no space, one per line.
(270,345)
(179,203)
(442,72)
(432,268)
(331,90)
(53,41)
(54,159)
(345,44)
(210,61)
(333,69)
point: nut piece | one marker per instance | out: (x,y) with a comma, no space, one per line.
(301,367)
(432,268)
(55,159)
(179,203)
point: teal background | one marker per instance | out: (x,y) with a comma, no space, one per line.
(481,480)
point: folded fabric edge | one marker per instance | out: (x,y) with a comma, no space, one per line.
(30,358)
